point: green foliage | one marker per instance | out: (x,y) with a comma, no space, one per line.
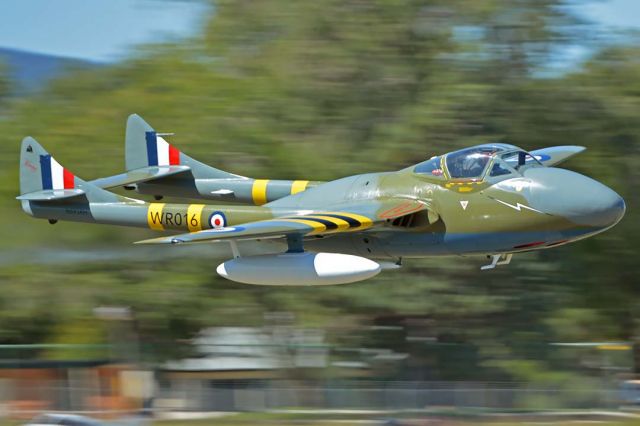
(319,90)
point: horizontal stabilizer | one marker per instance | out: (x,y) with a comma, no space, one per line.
(556,154)
(144,174)
(51,194)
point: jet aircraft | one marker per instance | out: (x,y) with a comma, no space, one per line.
(493,199)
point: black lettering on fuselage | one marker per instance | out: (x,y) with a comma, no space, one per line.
(156,218)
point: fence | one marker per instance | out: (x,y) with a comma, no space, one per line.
(194,395)
(206,396)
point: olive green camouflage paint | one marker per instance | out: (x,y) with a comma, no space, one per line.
(378,215)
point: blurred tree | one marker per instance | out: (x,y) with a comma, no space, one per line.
(323,89)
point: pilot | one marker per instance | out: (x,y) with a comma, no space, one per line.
(469,164)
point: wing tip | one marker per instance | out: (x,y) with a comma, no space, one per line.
(153,241)
(161,240)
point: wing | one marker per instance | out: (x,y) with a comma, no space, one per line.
(556,154)
(350,218)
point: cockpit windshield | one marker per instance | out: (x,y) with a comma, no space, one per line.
(431,166)
(470,163)
(517,159)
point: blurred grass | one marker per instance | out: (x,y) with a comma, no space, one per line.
(319,419)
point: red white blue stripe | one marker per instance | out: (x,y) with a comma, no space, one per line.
(54,176)
(160,152)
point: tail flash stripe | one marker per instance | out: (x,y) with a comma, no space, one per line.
(298,186)
(259,191)
(57,174)
(174,155)
(54,176)
(152,151)
(45,171)
(68,179)
(162,147)
(160,152)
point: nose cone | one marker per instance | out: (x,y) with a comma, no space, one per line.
(580,199)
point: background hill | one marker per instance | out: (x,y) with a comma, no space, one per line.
(30,71)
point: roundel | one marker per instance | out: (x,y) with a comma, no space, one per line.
(217,220)
(542,157)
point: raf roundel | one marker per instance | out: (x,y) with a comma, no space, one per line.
(217,220)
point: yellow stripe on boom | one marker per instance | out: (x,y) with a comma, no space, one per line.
(259,191)
(194,217)
(298,186)
(614,347)
(154,216)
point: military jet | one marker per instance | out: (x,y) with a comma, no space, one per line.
(494,199)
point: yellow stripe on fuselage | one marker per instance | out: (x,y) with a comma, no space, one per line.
(259,191)
(154,216)
(298,186)
(194,217)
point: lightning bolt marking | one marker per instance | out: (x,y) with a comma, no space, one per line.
(518,206)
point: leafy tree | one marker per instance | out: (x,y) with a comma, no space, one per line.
(320,90)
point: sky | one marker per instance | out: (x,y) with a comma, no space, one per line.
(96,30)
(106,30)
(615,13)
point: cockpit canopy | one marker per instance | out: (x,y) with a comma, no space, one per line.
(473,163)
(469,163)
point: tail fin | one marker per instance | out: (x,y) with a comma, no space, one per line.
(42,178)
(144,147)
